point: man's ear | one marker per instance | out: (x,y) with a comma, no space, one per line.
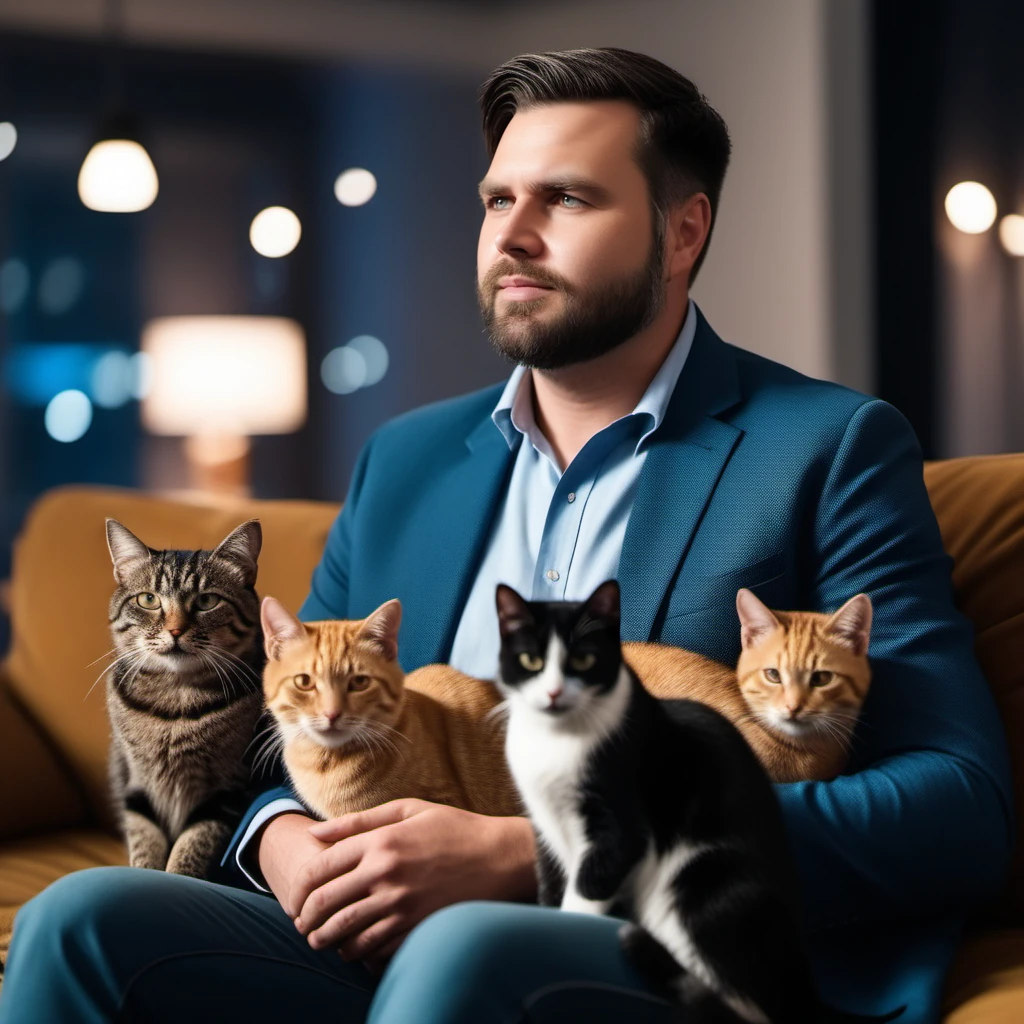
(280,627)
(689,224)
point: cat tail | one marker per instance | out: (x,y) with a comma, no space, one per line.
(830,1015)
(695,1003)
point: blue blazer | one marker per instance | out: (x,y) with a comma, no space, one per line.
(807,493)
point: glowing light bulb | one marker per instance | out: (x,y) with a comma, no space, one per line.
(355,186)
(275,231)
(1011,234)
(117,176)
(970,207)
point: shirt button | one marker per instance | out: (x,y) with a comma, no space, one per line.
(552,574)
(571,497)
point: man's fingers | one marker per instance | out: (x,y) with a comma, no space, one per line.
(336,862)
(370,943)
(335,829)
(350,920)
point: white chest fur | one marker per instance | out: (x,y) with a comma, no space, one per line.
(548,755)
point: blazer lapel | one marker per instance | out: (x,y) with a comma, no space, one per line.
(463,504)
(683,466)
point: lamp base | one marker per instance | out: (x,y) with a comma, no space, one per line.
(219,464)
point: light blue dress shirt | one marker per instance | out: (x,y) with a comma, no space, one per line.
(559,535)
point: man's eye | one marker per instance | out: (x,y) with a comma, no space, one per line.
(573,202)
(495,202)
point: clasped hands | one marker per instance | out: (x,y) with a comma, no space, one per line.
(360,883)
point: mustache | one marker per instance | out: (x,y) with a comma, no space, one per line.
(513,268)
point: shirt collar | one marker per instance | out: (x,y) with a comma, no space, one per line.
(513,415)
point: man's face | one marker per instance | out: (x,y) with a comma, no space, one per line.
(569,265)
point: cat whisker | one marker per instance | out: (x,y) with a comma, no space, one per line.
(102,656)
(103,673)
(499,712)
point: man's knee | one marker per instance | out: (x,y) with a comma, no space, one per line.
(84,905)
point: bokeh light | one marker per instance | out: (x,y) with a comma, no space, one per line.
(68,415)
(343,370)
(275,231)
(374,354)
(1011,234)
(970,207)
(355,186)
(60,285)
(8,139)
(112,380)
(14,285)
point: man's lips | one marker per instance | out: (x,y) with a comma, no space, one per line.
(522,289)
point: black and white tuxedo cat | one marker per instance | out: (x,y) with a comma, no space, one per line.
(654,811)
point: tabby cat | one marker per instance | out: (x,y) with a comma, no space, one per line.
(796,693)
(357,732)
(655,811)
(183,696)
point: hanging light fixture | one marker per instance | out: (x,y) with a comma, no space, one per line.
(117,175)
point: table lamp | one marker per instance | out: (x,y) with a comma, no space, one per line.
(217,380)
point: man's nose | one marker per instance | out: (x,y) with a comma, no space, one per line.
(518,236)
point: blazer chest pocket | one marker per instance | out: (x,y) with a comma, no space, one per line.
(704,592)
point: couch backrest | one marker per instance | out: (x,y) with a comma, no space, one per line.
(62,580)
(979,503)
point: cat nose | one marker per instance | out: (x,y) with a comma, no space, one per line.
(332,716)
(175,632)
(554,694)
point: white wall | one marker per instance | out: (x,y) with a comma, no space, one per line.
(788,272)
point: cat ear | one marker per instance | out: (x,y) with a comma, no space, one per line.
(604,603)
(380,629)
(513,612)
(126,550)
(241,548)
(851,625)
(756,619)
(279,627)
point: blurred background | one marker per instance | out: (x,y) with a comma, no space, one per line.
(311,166)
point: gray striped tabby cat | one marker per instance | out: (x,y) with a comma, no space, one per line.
(184,695)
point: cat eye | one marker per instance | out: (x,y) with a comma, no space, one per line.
(204,602)
(581,662)
(359,682)
(303,682)
(821,678)
(772,675)
(148,601)
(531,662)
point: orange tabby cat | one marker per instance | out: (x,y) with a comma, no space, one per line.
(796,692)
(358,732)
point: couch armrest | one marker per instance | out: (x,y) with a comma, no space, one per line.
(36,790)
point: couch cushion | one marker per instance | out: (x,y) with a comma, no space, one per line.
(62,580)
(27,866)
(979,503)
(985,985)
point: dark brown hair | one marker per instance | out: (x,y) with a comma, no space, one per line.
(684,143)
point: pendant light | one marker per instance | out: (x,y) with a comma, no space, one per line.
(117,175)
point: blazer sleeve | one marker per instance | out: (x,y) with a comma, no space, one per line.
(327,599)
(924,822)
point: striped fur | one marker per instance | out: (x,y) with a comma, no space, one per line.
(183,695)
(355,731)
(797,720)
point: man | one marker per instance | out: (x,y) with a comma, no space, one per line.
(632,442)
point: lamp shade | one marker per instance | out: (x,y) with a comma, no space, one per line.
(225,375)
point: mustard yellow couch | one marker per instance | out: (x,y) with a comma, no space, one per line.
(54,816)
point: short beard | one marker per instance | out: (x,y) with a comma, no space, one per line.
(591,324)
